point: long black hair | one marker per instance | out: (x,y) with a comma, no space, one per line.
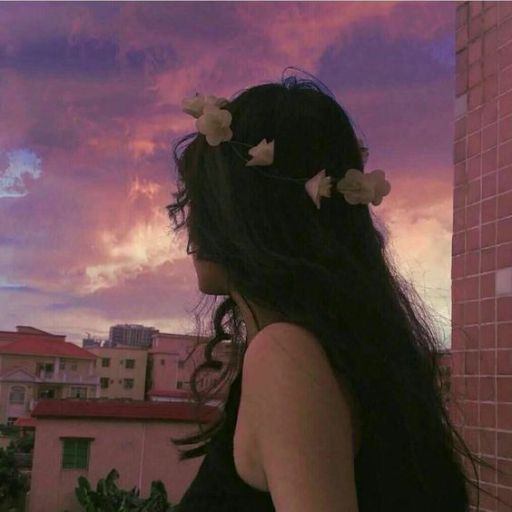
(328,271)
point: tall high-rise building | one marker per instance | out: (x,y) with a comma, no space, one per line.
(134,335)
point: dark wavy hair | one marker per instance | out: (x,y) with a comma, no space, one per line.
(328,271)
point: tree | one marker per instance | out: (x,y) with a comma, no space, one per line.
(13,483)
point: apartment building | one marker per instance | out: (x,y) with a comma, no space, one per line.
(172,359)
(122,371)
(35,364)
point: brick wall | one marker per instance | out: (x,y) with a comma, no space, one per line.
(482,240)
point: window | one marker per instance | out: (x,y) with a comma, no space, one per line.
(74,366)
(179,384)
(78,392)
(48,368)
(46,393)
(17,395)
(11,421)
(130,363)
(62,365)
(128,383)
(180,364)
(105,362)
(162,362)
(104,381)
(75,452)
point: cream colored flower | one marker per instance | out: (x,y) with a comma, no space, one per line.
(381,186)
(195,104)
(215,123)
(262,154)
(319,185)
(363,188)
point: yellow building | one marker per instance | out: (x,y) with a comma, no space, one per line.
(35,364)
(122,371)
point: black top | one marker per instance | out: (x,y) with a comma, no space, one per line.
(217,486)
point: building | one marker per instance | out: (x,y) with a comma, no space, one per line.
(482,241)
(89,438)
(91,342)
(172,359)
(131,334)
(35,364)
(122,371)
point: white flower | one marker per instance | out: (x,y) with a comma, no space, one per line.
(363,188)
(215,124)
(319,185)
(262,154)
(195,104)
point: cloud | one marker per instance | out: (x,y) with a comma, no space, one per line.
(93,90)
(22,165)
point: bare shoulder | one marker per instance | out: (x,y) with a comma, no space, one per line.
(300,421)
(287,349)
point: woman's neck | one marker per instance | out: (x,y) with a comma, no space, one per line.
(264,316)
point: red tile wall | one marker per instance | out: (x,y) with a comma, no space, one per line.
(481,353)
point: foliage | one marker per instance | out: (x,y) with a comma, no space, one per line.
(13,483)
(108,497)
(9,430)
(23,444)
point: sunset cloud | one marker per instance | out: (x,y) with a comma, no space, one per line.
(90,103)
(19,166)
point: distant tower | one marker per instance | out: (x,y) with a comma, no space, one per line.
(90,342)
(135,335)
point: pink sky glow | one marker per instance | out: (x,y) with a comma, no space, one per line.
(90,96)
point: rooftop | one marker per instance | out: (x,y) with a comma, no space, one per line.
(122,409)
(43,346)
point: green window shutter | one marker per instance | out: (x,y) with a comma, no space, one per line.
(75,453)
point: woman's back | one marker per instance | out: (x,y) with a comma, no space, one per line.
(218,486)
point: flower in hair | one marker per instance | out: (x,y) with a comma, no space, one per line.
(319,185)
(363,188)
(262,154)
(195,105)
(214,123)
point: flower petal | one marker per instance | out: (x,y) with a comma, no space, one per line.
(313,187)
(262,153)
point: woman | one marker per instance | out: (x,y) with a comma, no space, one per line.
(337,402)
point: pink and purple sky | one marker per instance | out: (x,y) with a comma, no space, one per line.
(90,102)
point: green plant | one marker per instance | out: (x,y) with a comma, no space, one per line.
(108,497)
(23,444)
(13,483)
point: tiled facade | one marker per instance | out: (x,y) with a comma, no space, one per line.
(482,241)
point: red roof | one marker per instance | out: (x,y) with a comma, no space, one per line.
(31,345)
(122,409)
(25,422)
(178,393)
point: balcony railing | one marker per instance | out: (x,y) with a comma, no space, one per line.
(63,377)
